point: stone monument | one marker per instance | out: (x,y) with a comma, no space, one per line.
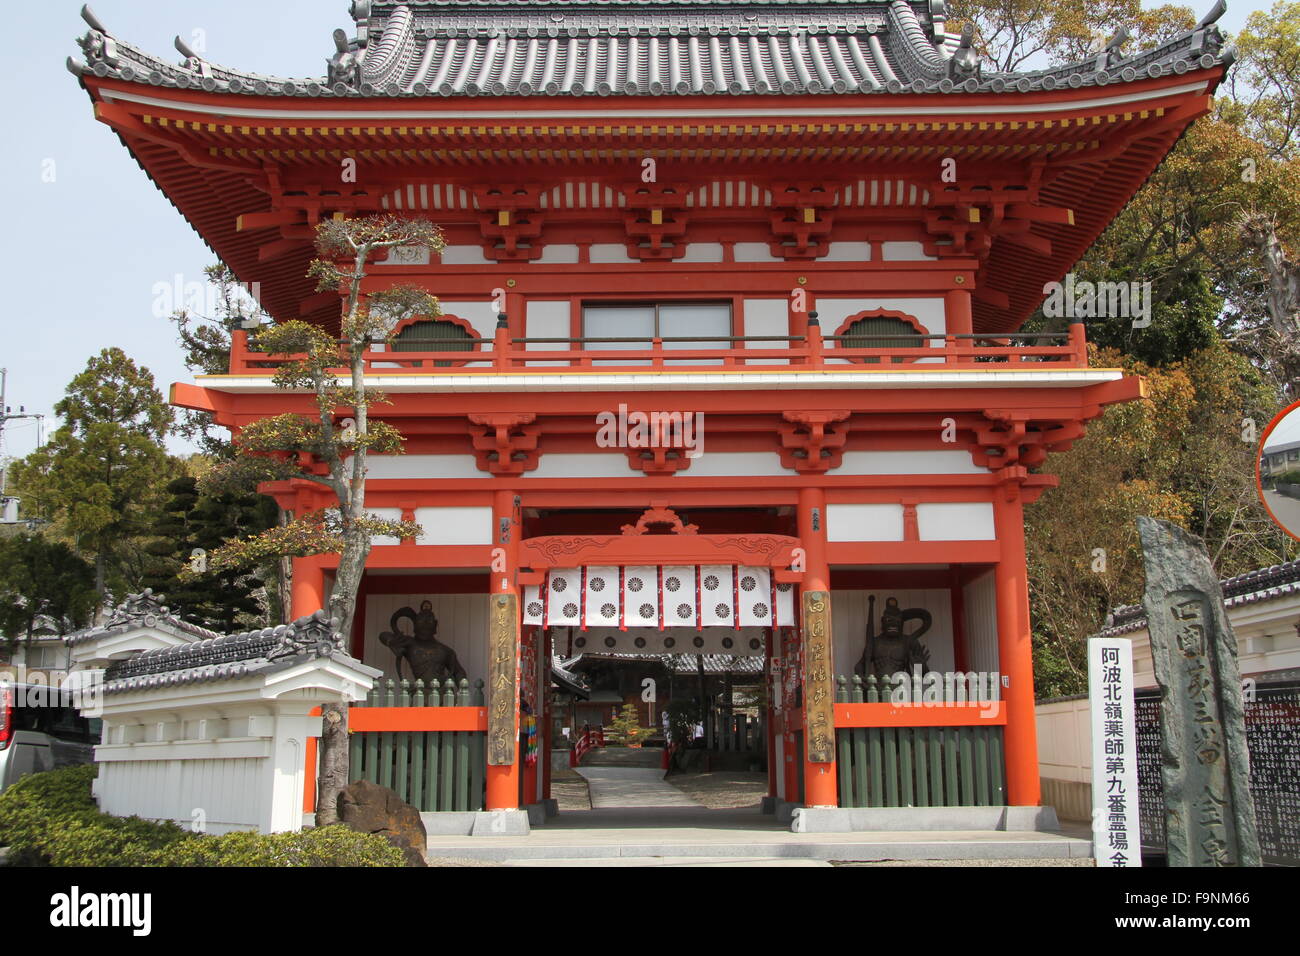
(1209,811)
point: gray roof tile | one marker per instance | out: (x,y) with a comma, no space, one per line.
(646,48)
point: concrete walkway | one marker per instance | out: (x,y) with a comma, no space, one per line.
(695,835)
(628,787)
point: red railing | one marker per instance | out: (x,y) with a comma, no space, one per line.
(503,353)
(591,737)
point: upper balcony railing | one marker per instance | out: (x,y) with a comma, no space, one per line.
(811,351)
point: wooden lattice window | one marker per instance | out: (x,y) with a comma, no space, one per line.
(435,335)
(896,332)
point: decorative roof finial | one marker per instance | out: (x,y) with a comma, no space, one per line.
(93,21)
(1218,10)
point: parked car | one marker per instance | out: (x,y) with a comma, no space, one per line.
(41,736)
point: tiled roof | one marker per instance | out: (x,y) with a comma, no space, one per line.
(1249,588)
(226,657)
(142,610)
(645,48)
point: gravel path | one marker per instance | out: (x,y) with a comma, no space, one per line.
(722,790)
(569,789)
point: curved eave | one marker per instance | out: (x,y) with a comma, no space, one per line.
(208,154)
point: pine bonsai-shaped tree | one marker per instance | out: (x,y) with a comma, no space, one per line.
(626,728)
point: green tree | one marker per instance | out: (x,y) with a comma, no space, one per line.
(191,521)
(1265,86)
(626,727)
(98,475)
(42,580)
(331,446)
(205,343)
(1179,454)
(1031,34)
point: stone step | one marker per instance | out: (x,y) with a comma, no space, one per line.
(609,838)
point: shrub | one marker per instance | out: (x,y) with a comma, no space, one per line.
(50,819)
(336,845)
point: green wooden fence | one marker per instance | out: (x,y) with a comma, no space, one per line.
(431,770)
(916,766)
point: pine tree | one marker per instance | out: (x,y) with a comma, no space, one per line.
(226,600)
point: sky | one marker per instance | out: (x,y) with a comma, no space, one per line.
(85,254)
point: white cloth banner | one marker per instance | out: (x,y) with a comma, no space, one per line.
(641,596)
(679,596)
(708,596)
(564,598)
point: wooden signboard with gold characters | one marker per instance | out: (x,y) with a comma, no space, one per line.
(503,650)
(819,723)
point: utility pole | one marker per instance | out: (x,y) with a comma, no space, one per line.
(6,517)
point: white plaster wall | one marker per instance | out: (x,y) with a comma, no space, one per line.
(753,252)
(955,521)
(980,600)
(904,252)
(864,522)
(702,252)
(422,466)
(908,463)
(464,256)
(848,252)
(849,624)
(767,317)
(602,252)
(443,525)
(228,792)
(463,525)
(546,320)
(558,253)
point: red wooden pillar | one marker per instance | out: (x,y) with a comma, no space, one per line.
(503,780)
(772,691)
(820,788)
(547,729)
(308,590)
(1015,648)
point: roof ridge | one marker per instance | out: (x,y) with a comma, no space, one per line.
(401,50)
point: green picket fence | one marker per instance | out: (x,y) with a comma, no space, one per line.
(431,770)
(917,766)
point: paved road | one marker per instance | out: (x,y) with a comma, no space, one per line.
(625,787)
(1286,510)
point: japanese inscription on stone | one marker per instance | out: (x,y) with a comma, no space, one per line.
(503,692)
(819,715)
(1115,836)
(1209,811)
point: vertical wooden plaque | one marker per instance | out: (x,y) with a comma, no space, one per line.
(503,691)
(818,701)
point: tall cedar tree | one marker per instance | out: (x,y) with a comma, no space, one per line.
(98,475)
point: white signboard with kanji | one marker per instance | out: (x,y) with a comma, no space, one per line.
(1116,839)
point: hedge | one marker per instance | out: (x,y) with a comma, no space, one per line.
(50,819)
